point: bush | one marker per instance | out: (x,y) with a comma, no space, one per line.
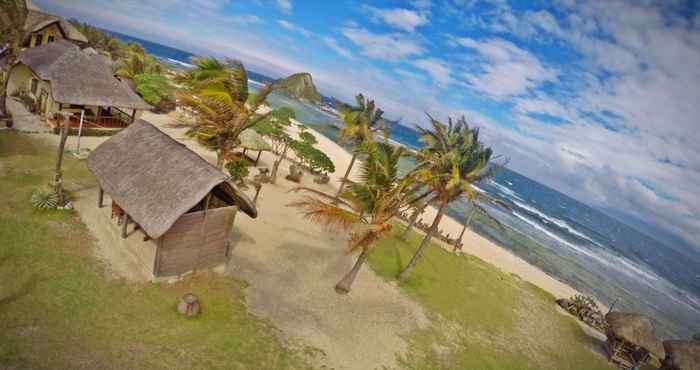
(238,169)
(153,87)
(44,199)
(314,159)
(26,100)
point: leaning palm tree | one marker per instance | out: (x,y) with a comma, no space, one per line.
(360,125)
(218,100)
(476,207)
(13,15)
(367,206)
(452,160)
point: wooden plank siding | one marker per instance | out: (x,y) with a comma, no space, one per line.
(197,240)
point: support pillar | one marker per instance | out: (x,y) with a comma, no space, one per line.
(100,197)
(125,224)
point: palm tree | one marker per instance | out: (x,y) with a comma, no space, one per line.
(450,162)
(360,124)
(368,205)
(135,64)
(418,209)
(13,15)
(217,94)
(475,207)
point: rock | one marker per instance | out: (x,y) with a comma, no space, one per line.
(322,179)
(295,173)
(189,305)
(299,85)
(564,303)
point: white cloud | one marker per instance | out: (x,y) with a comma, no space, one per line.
(437,69)
(383,46)
(333,44)
(285,5)
(402,19)
(294,28)
(506,69)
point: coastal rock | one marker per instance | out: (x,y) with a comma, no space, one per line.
(300,86)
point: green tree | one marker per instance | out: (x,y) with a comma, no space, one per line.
(367,206)
(360,124)
(13,15)
(452,159)
(217,93)
(476,208)
(274,128)
(153,87)
(136,63)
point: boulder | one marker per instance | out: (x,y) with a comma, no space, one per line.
(295,173)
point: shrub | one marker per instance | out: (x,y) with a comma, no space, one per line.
(153,87)
(44,200)
(238,169)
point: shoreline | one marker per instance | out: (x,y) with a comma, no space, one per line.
(474,244)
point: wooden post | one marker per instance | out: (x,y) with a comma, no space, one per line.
(125,224)
(100,197)
(258,158)
(133,116)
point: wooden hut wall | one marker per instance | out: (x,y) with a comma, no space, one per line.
(196,240)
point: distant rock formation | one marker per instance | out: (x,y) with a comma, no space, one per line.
(301,86)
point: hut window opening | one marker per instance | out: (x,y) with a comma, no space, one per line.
(50,39)
(35,84)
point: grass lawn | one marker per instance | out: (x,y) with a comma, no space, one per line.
(59,309)
(485,318)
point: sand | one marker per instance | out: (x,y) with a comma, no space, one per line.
(292,266)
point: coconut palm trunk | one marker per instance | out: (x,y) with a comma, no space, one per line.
(468,222)
(345,178)
(411,222)
(424,244)
(3,96)
(58,177)
(344,285)
(278,162)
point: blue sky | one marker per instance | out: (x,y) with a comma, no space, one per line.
(597,99)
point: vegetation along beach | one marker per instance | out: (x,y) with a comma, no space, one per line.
(220,185)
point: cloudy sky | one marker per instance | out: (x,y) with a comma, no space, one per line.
(597,99)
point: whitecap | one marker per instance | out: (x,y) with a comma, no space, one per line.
(561,223)
(179,62)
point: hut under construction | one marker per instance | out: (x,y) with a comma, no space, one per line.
(682,355)
(632,340)
(183,205)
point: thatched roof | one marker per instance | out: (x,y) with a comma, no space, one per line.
(636,329)
(682,354)
(38,20)
(156,179)
(79,78)
(251,140)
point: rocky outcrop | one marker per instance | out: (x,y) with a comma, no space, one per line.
(300,86)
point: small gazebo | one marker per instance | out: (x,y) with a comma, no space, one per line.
(183,205)
(682,355)
(251,140)
(632,340)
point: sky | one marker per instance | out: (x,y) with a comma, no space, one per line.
(597,99)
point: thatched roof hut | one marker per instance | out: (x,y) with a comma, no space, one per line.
(632,340)
(37,20)
(251,140)
(79,78)
(156,179)
(183,204)
(682,355)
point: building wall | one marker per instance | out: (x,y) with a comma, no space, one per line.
(52,30)
(197,240)
(20,79)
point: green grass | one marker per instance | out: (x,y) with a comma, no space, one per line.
(485,318)
(59,309)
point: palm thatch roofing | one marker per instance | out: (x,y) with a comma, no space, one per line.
(79,78)
(636,329)
(37,20)
(156,179)
(251,140)
(682,354)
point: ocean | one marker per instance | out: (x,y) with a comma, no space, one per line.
(577,244)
